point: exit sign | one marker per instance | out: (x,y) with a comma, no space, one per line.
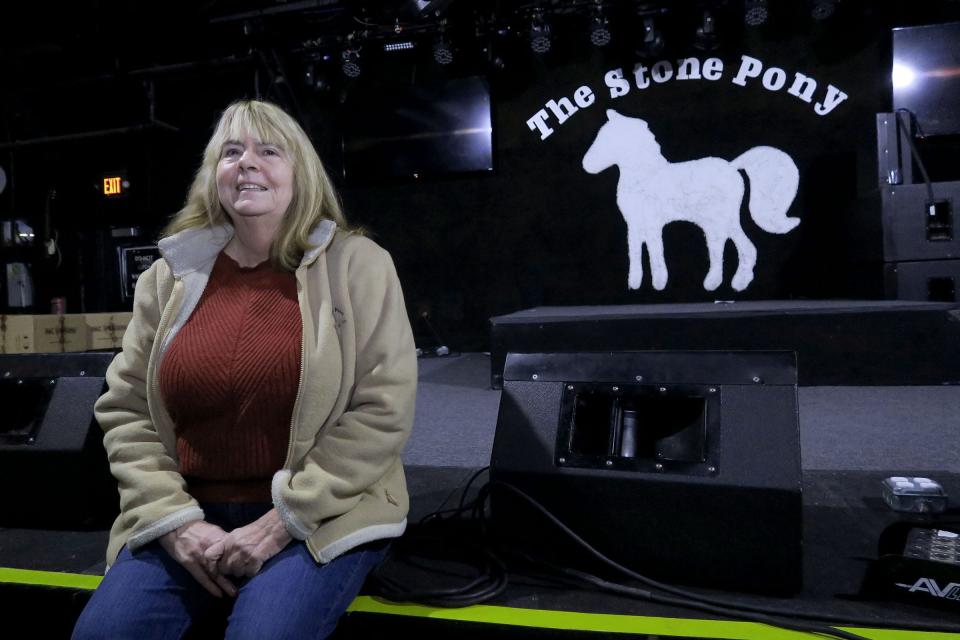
(112,186)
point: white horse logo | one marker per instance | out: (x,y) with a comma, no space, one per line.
(708,192)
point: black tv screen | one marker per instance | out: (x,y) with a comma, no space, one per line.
(419,131)
(926,76)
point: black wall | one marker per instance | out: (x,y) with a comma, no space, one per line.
(539,230)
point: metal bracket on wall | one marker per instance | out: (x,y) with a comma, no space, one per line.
(894,165)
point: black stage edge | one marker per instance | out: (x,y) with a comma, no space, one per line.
(843,517)
(843,342)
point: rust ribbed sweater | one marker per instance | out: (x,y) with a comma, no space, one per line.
(229,380)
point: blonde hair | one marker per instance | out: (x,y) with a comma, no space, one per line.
(314,197)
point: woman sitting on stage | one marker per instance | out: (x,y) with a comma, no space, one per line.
(255,417)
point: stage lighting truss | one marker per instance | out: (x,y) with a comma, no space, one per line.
(599,28)
(401,45)
(755,12)
(540,34)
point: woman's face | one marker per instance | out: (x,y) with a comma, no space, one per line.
(254,179)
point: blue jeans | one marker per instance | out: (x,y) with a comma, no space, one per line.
(148,595)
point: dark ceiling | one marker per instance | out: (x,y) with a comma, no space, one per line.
(114,56)
(88,38)
(87,55)
(44,43)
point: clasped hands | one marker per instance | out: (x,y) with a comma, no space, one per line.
(211,554)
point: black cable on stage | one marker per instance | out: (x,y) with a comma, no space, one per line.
(687,600)
(689,595)
(444,513)
(491,582)
(914,152)
(574,578)
(493,579)
(466,489)
(643,594)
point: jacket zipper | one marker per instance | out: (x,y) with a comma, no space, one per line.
(303,352)
(161,336)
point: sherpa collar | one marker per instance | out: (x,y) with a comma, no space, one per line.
(192,249)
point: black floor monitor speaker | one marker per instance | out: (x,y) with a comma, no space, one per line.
(53,468)
(683,466)
(837,342)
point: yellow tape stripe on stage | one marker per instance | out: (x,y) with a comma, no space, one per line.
(539,618)
(610,623)
(50,578)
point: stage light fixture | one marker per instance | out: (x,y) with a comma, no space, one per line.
(755,12)
(599,28)
(442,51)
(350,63)
(706,35)
(540,33)
(902,76)
(403,45)
(494,57)
(652,43)
(316,78)
(822,9)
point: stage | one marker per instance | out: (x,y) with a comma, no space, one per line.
(851,438)
(697,292)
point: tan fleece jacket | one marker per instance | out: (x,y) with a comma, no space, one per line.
(342,483)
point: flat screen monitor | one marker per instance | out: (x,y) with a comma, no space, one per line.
(419,131)
(926,76)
